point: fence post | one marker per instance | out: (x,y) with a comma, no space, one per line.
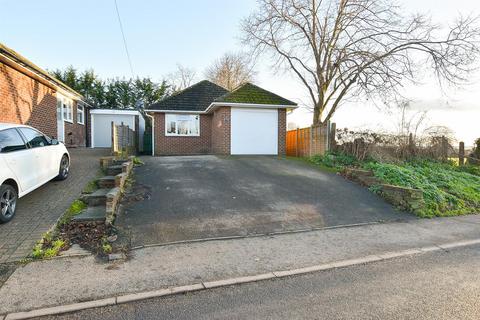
(444,148)
(296,143)
(312,135)
(332,134)
(461,153)
(113,136)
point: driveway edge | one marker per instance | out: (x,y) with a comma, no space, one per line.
(116,300)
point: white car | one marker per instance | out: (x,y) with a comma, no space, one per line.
(28,159)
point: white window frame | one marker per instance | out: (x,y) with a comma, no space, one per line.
(178,117)
(67,109)
(81,111)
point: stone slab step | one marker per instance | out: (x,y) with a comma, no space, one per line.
(114,170)
(97,198)
(91,214)
(106,182)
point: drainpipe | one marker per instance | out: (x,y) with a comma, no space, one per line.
(153,132)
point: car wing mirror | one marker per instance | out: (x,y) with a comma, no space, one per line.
(54,141)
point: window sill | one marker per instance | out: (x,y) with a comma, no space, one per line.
(81,123)
(182,135)
(69,121)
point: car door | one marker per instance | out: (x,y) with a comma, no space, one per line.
(39,146)
(19,158)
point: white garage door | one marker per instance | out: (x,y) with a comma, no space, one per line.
(254,131)
(102,128)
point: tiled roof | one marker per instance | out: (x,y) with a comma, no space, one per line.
(252,94)
(195,98)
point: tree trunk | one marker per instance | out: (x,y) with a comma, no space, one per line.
(316,116)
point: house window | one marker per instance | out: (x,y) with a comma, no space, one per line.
(66,107)
(182,125)
(80,113)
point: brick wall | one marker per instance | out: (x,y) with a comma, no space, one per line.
(221,131)
(75,134)
(282,131)
(24,100)
(167,145)
(88,127)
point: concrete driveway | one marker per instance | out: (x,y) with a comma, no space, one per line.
(201,197)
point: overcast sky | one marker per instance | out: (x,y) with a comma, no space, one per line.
(160,34)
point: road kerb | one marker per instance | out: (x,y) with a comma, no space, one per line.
(430,249)
(226,282)
(402,253)
(158,293)
(292,272)
(352,262)
(459,244)
(232,281)
(61,309)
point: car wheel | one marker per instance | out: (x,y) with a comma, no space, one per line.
(8,202)
(64,168)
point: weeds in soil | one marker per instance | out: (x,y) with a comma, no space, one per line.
(75,208)
(48,247)
(137,162)
(52,243)
(91,187)
(106,247)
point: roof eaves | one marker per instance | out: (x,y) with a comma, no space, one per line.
(24,62)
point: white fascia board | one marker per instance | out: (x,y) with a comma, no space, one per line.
(115,112)
(176,111)
(68,94)
(227,104)
(248,105)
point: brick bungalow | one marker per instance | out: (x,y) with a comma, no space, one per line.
(30,95)
(208,119)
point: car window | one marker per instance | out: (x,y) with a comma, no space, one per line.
(34,138)
(10,140)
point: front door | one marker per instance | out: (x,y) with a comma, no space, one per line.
(60,124)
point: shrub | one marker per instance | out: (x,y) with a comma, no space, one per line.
(335,160)
(476,149)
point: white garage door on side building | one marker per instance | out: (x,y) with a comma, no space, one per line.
(254,131)
(101,129)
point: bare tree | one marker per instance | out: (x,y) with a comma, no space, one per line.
(342,49)
(231,70)
(410,121)
(182,78)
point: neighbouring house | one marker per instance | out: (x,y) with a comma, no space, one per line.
(30,95)
(208,119)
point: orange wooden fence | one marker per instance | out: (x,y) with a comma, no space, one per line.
(307,142)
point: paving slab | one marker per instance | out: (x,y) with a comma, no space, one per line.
(91,214)
(96,198)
